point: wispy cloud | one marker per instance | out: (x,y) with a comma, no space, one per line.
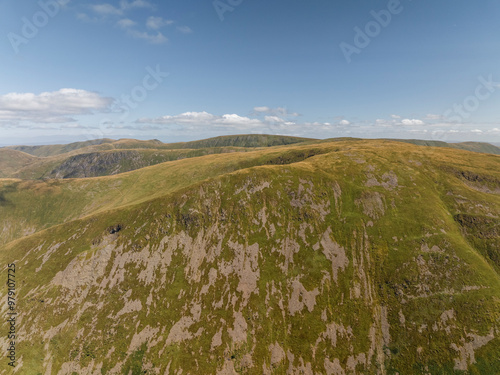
(202,119)
(230,123)
(407,121)
(280,111)
(121,16)
(126,23)
(124,4)
(184,29)
(157,38)
(156,23)
(106,9)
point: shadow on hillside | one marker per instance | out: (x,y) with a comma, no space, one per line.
(4,202)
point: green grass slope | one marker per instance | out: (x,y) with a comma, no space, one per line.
(481,147)
(478,147)
(369,257)
(107,163)
(108,157)
(29,206)
(12,160)
(244,140)
(51,150)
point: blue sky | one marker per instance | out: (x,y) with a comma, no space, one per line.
(183,70)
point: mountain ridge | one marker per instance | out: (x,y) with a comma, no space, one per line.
(108,157)
(336,257)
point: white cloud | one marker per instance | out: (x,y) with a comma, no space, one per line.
(344,122)
(51,107)
(83,17)
(156,23)
(184,29)
(124,4)
(106,9)
(280,111)
(187,117)
(396,117)
(411,122)
(431,116)
(261,109)
(236,120)
(194,119)
(157,38)
(275,119)
(126,23)
(199,122)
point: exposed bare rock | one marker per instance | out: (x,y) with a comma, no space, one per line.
(466,349)
(334,253)
(301,298)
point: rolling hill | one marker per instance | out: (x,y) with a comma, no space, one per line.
(107,163)
(482,147)
(108,157)
(318,257)
(51,150)
(12,160)
(248,140)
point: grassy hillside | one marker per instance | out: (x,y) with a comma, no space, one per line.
(107,163)
(370,257)
(478,147)
(51,150)
(245,140)
(31,205)
(108,157)
(12,160)
(482,147)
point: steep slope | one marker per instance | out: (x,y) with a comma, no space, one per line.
(107,157)
(29,206)
(354,260)
(107,163)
